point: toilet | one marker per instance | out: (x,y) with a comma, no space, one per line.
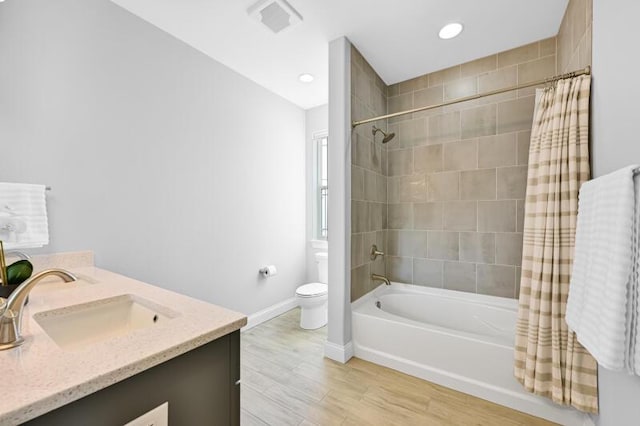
(312,298)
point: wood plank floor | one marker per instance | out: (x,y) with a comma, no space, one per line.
(287,381)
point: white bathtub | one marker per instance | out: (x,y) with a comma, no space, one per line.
(459,340)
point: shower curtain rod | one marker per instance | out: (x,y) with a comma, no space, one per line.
(572,74)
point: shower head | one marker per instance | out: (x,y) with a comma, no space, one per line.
(387,136)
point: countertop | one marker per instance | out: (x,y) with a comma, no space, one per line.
(39,377)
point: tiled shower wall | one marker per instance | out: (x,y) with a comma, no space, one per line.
(574,37)
(368,176)
(457,174)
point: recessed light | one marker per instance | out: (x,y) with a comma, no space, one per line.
(305,78)
(450,30)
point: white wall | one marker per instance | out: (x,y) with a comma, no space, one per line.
(173,168)
(616,143)
(316,122)
(338,346)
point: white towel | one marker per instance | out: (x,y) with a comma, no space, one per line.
(635,283)
(23,216)
(601,304)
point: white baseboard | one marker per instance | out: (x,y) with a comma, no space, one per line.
(588,421)
(338,353)
(269,313)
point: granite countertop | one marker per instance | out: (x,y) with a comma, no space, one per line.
(39,376)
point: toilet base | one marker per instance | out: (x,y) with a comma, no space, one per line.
(312,318)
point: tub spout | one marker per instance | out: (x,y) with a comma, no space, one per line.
(376,277)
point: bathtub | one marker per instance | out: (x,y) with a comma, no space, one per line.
(459,340)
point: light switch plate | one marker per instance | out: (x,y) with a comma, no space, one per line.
(159,416)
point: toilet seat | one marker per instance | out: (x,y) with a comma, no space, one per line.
(312,290)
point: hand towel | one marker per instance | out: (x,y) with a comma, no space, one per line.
(23,216)
(602,288)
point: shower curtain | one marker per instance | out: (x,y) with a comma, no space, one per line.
(549,361)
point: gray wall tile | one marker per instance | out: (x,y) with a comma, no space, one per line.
(428,272)
(444,127)
(520,215)
(479,66)
(412,189)
(462,155)
(478,184)
(400,216)
(509,248)
(460,215)
(524,139)
(357,257)
(407,243)
(512,182)
(357,183)
(400,162)
(479,121)
(400,269)
(461,88)
(443,186)
(477,247)
(497,216)
(497,280)
(427,216)
(442,245)
(498,150)
(518,55)
(427,97)
(428,159)
(516,114)
(360,282)
(460,276)
(412,132)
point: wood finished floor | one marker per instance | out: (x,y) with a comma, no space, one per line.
(287,381)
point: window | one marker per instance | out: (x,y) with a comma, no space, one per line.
(321,185)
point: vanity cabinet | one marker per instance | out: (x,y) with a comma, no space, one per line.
(201,386)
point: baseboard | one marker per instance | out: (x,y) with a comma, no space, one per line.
(338,353)
(269,313)
(588,420)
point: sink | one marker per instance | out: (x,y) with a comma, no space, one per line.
(78,326)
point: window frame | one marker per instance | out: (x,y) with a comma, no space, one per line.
(320,189)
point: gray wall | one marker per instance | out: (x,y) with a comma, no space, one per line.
(173,168)
(615,144)
(316,121)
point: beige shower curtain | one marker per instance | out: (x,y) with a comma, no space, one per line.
(549,361)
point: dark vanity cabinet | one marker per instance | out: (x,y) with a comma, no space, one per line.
(201,387)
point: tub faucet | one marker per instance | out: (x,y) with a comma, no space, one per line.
(376,277)
(11,308)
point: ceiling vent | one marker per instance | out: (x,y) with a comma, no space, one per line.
(276,15)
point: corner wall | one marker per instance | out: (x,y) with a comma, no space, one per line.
(173,168)
(368,176)
(615,144)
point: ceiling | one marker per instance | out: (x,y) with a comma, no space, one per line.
(398,37)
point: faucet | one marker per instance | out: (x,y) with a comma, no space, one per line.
(11,308)
(376,277)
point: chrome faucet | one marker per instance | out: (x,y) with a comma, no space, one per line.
(11,308)
(376,277)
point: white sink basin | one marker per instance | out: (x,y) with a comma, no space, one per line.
(78,326)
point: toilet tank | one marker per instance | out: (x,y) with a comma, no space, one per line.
(322,259)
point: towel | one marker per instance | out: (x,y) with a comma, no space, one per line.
(602,303)
(23,216)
